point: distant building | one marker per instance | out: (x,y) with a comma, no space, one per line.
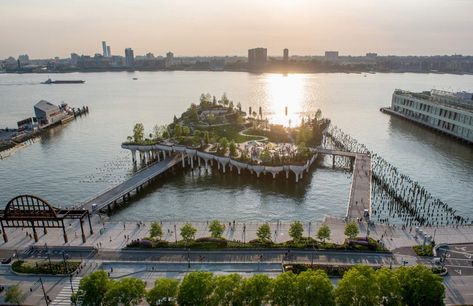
(257,57)
(24,59)
(149,55)
(371,55)
(169,59)
(129,57)
(47,113)
(285,55)
(331,56)
(104,48)
(109,53)
(74,59)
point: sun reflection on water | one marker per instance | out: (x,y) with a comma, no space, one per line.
(285,91)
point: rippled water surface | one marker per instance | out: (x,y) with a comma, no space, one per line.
(75,162)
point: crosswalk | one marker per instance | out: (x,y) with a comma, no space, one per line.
(64,297)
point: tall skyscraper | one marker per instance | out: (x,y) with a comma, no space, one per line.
(286,54)
(104,48)
(109,53)
(129,57)
(257,57)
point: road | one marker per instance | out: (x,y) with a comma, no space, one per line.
(458,259)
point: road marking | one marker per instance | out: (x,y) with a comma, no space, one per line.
(461,248)
(458,271)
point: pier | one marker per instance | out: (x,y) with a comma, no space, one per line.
(123,191)
(359,202)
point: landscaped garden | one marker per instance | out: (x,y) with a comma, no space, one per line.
(45,267)
(263,240)
(222,128)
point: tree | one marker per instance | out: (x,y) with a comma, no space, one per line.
(157,131)
(163,293)
(264,232)
(239,106)
(165,133)
(314,288)
(216,229)
(93,287)
(226,288)
(177,130)
(296,230)
(127,291)
(323,233)
(188,232)
(389,287)
(420,286)
(15,295)
(265,155)
(156,230)
(284,289)
(351,230)
(255,290)
(223,145)
(233,149)
(138,132)
(195,289)
(358,287)
(186,130)
(304,135)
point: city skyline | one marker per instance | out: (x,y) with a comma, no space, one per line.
(211,29)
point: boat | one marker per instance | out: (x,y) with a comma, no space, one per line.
(49,81)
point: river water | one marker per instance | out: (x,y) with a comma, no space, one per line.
(74,162)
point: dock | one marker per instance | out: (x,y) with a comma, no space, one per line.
(123,191)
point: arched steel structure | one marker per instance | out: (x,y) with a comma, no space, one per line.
(28,211)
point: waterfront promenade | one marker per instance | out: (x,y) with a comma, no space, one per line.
(360,191)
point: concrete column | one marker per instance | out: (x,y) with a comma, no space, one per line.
(287,174)
(206,166)
(238,170)
(192,162)
(218,165)
(274,175)
(198,161)
(133,156)
(183,160)
(223,166)
(159,156)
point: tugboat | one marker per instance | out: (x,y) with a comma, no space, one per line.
(49,81)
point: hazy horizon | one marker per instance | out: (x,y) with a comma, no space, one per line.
(215,28)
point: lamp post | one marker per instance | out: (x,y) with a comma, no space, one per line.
(44,292)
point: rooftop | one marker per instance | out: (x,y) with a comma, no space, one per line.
(459,100)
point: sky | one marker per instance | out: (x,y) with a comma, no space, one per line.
(49,28)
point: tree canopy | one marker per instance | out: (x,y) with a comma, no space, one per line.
(195,289)
(163,293)
(358,287)
(216,229)
(296,230)
(93,287)
(138,132)
(314,288)
(284,289)
(15,295)
(127,291)
(156,230)
(264,232)
(323,233)
(188,232)
(351,230)
(255,290)
(226,290)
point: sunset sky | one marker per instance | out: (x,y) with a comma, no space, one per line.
(51,28)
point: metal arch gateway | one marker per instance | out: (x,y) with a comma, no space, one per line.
(28,211)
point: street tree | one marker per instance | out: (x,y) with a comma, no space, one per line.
(296,230)
(177,132)
(389,287)
(216,229)
(163,293)
(138,132)
(188,232)
(284,289)
(226,289)
(314,288)
(156,230)
(195,289)
(92,288)
(127,291)
(323,233)
(351,230)
(255,291)
(264,232)
(358,287)
(15,295)
(420,286)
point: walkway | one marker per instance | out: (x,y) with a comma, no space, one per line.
(136,181)
(64,297)
(360,192)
